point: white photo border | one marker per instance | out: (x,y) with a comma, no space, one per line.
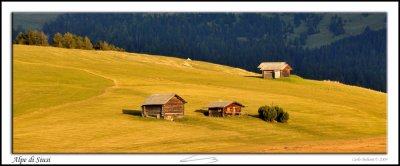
(391,8)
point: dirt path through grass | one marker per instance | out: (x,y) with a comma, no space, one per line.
(106,90)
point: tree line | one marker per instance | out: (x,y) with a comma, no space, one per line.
(32,38)
(66,40)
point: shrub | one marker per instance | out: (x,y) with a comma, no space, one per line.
(267,113)
(272,112)
(261,111)
(284,118)
(279,113)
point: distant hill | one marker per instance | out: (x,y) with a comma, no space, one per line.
(24,21)
(72,101)
(244,40)
(315,27)
(31,20)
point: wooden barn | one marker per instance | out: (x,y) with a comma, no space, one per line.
(164,106)
(275,69)
(224,108)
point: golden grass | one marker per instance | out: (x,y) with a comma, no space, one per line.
(71,101)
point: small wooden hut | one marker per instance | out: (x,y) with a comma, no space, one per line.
(224,108)
(275,69)
(164,106)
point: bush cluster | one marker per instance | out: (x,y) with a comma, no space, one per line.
(272,112)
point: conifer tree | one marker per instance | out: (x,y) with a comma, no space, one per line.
(87,43)
(78,42)
(68,40)
(21,38)
(58,40)
(32,38)
(43,41)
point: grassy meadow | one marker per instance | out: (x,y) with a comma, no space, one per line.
(72,101)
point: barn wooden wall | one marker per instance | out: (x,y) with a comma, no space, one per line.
(174,107)
(152,109)
(232,109)
(267,74)
(215,112)
(285,73)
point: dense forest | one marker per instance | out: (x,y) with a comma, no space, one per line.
(360,60)
(240,40)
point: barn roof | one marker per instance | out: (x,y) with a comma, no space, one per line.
(272,65)
(221,104)
(160,99)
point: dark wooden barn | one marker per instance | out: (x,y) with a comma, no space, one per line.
(164,106)
(224,108)
(275,69)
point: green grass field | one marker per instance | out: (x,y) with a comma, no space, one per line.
(71,101)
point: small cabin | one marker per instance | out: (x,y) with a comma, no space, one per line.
(224,108)
(164,106)
(275,69)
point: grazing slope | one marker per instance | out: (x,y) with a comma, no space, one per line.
(71,101)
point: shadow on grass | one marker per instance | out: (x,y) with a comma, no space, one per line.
(132,112)
(254,116)
(203,111)
(255,77)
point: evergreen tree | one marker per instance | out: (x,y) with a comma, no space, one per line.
(43,41)
(78,42)
(68,40)
(101,45)
(36,38)
(336,25)
(21,38)
(58,40)
(87,43)
(32,38)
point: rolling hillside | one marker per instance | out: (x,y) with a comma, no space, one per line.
(71,101)
(242,40)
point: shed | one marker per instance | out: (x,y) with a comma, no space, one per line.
(163,106)
(224,108)
(275,69)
